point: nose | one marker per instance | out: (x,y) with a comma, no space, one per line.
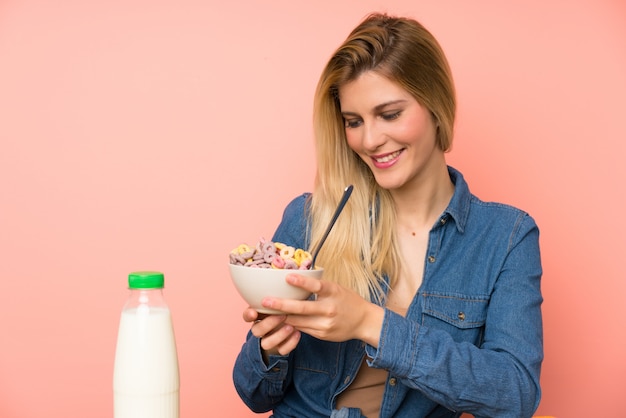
(372,136)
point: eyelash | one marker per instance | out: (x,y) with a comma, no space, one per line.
(355,123)
(352,123)
(391,116)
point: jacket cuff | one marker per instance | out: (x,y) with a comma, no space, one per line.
(397,344)
(275,370)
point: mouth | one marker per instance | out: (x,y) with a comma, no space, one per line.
(387,159)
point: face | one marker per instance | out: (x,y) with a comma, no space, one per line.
(390,131)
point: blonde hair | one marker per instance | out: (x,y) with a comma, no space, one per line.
(363,248)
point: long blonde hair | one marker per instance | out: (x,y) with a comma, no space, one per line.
(363,248)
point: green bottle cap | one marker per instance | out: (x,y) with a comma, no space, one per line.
(145,280)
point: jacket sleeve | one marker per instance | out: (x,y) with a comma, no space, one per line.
(500,378)
(261,386)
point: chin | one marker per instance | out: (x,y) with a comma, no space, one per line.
(389,184)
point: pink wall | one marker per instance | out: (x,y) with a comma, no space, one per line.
(142,134)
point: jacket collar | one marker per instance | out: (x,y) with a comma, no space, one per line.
(459,205)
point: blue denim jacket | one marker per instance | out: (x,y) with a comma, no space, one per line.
(471,341)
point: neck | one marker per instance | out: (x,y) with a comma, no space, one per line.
(419,205)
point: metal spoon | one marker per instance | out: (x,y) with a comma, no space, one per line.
(344,199)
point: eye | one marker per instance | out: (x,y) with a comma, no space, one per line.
(391,115)
(352,123)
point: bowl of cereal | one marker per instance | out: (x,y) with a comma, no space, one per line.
(260,271)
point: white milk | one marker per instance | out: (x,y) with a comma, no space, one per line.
(145,378)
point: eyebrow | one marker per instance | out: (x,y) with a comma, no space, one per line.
(377,108)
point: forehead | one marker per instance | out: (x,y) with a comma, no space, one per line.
(370,90)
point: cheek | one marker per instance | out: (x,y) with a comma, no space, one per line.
(352,140)
(418,129)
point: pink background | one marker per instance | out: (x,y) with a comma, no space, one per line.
(142,134)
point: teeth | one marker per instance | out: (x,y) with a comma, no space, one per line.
(388,157)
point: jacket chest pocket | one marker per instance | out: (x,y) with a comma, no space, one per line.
(461,316)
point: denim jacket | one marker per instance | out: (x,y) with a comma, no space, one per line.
(471,340)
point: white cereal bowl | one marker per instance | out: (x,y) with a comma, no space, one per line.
(254,284)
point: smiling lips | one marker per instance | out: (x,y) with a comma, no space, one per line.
(386,160)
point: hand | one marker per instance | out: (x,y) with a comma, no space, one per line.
(276,336)
(338,314)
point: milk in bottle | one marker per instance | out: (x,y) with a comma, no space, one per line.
(145,377)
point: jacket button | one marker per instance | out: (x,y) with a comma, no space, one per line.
(431,259)
(442,221)
(461,316)
(392,381)
(346,380)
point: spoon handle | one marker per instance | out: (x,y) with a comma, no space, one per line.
(344,199)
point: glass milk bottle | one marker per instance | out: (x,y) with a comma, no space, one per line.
(145,376)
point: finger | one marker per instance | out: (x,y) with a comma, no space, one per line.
(250,315)
(267,325)
(280,339)
(310,284)
(290,306)
(290,343)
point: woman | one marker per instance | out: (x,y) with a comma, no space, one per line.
(430,304)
